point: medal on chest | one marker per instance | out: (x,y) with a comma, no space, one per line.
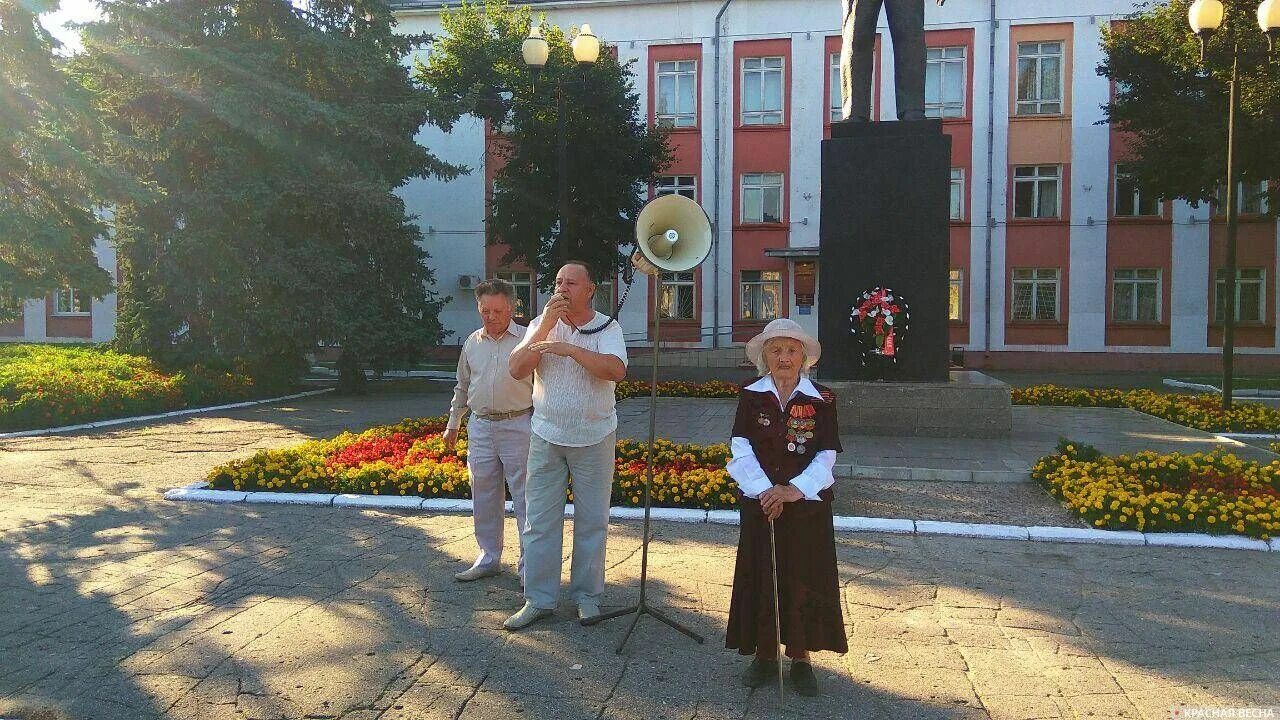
(800,424)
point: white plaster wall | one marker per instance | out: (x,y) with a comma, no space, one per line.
(103,312)
(1190,282)
(1090,143)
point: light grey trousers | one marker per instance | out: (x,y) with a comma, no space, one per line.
(497,452)
(550,467)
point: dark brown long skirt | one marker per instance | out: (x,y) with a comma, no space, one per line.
(808,581)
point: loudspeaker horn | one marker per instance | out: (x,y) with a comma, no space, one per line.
(673,234)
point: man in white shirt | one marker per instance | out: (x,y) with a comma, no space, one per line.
(498,433)
(575,365)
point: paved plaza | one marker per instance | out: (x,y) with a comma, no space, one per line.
(118,604)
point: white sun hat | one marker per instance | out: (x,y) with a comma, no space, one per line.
(784,328)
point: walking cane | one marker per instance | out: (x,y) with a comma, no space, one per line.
(777,613)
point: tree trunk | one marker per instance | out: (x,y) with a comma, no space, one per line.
(351,379)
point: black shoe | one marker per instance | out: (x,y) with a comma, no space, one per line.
(802,680)
(759,673)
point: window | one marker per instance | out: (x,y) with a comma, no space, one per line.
(1040,78)
(957,193)
(676,299)
(1035,191)
(677,93)
(677,185)
(1130,200)
(1250,295)
(1135,295)
(955,295)
(1251,198)
(762,91)
(602,301)
(1035,293)
(944,81)
(523,283)
(761,294)
(762,198)
(69,301)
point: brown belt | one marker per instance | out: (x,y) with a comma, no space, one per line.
(495,417)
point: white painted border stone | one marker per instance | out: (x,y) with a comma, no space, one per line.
(1044,533)
(199,492)
(1203,540)
(158,416)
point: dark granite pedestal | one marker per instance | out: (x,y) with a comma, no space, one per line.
(968,404)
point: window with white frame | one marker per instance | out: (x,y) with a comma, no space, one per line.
(1135,295)
(677,185)
(957,193)
(1250,295)
(1035,293)
(836,107)
(523,284)
(944,81)
(677,82)
(1251,198)
(1130,200)
(761,294)
(955,295)
(1036,191)
(762,91)
(762,198)
(69,301)
(1040,78)
(676,299)
(602,301)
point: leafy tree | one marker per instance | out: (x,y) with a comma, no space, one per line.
(50,184)
(1175,107)
(476,66)
(279,134)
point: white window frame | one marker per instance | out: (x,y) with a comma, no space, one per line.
(674,285)
(1219,315)
(69,298)
(757,284)
(1035,277)
(1040,176)
(521,279)
(955,200)
(752,182)
(680,75)
(955,288)
(677,185)
(763,115)
(1036,105)
(947,56)
(1251,192)
(1136,278)
(1136,196)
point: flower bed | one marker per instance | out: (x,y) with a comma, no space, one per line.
(410,458)
(50,385)
(1203,492)
(1198,411)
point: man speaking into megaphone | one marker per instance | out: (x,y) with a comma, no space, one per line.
(574,426)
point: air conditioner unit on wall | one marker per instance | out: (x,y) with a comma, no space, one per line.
(468,282)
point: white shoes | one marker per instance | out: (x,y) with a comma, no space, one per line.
(528,615)
(588,609)
(476,573)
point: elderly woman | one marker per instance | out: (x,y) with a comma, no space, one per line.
(785,441)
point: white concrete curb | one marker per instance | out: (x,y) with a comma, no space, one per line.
(158,416)
(198,492)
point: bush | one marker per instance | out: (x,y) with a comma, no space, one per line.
(677,388)
(1203,492)
(1203,412)
(50,385)
(410,458)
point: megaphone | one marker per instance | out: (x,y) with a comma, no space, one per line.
(673,234)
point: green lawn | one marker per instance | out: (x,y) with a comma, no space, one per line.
(51,385)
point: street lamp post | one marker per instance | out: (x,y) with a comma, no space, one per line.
(586,50)
(1205,17)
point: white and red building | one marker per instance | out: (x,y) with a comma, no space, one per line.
(1056,260)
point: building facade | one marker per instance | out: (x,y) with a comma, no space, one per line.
(1055,256)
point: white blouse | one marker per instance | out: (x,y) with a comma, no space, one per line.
(745,468)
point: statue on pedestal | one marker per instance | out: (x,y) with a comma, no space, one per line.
(906,25)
